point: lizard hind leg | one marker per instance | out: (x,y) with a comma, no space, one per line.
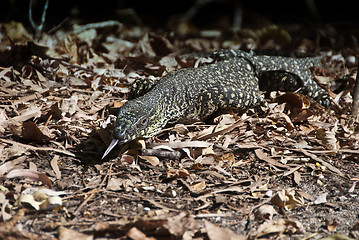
(289,82)
(279,81)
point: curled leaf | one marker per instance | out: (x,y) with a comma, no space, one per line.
(30,174)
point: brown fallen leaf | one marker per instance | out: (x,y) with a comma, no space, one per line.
(31,132)
(30,174)
(265,212)
(69,105)
(217,233)
(321,199)
(127,159)
(280,115)
(199,144)
(136,234)
(31,113)
(116,184)
(287,199)
(46,149)
(297,177)
(324,163)
(162,153)
(198,186)
(223,130)
(331,226)
(279,226)
(153,160)
(8,229)
(177,173)
(294,100)
(181,224)
(55,166)
(301,115)
(7,166)
(69,234)
(263,156)
(328,137)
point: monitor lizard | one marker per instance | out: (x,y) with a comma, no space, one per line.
(234,81)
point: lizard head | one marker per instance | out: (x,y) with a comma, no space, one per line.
(137,118)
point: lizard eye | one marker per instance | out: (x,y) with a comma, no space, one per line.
(142,122)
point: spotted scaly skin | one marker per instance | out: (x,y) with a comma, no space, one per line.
(195,93)
(282,73)
(192,93)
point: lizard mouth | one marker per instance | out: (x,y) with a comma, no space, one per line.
(119,137)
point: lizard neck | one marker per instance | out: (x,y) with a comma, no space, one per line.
(163,104)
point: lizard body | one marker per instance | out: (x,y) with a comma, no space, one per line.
(232,82)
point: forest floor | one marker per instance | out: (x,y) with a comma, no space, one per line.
(288,174)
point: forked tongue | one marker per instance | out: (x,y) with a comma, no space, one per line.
(110,147)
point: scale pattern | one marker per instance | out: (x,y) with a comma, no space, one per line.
(234,81)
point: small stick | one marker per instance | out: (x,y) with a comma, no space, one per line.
(355,106)
(38,28)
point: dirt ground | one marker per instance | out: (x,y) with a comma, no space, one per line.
(286,171)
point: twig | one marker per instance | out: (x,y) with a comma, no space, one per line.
(355,106)
(45,149)
(222,131)
(92,194)
(175,155)
(38,28)
(111,23)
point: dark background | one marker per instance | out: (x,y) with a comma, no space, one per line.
(157,14)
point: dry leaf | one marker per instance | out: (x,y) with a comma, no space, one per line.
(30,113)
(7,166)
(208,151)
(180,224)
(177,173)
(328,136)
(199,144)
(293,199)
(116,184)
(27,200)
(40,200)
(331,226)
(5,207)
(136,234)
(262,156)
(228,157)
(217,233)
(55,166)
(280,115)
(265,212)
(69,234)
(294,100)
(279,226)
(198,186)
(339,236)
(31,132)
(153,160)
(127,159)
(287,199)
(69,105)
(321,199)
(297,177)
(30,174)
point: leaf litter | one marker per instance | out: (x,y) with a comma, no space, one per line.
(236,176)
